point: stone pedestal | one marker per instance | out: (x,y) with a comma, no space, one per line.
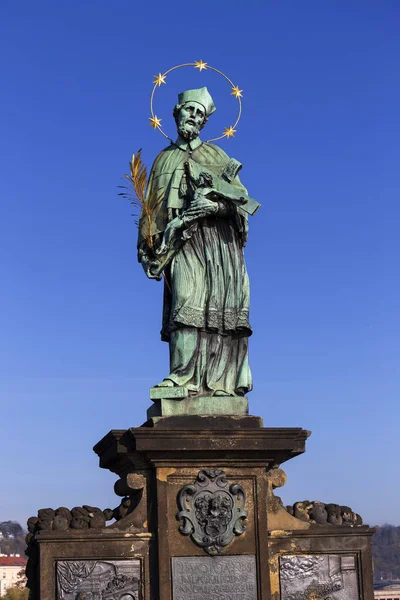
(170,454)
(199,520)
(169,407)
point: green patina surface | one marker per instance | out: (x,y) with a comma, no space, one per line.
(199,233)
(205,405)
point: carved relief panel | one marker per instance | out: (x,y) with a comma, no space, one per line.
(319,577)
(98,580)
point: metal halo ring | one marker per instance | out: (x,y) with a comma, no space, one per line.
(200,65)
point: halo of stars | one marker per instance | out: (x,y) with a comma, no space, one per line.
(160,79)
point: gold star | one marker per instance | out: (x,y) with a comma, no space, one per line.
(159,79)
(236,92)
(155,122)
(229,132)
(200,65)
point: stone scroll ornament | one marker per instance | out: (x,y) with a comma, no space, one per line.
(212,511)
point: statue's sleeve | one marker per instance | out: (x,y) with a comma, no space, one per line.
(242,218)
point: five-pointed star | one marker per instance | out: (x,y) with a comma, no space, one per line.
(159,79)
(229,132)
(155,122)
(236,92)
(200,65)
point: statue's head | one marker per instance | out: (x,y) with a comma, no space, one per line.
(192,112)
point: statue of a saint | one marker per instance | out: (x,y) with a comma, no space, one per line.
(198,235)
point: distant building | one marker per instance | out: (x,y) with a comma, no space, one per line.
(389,590)
(10,569)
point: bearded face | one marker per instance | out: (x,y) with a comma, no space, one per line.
(190,120)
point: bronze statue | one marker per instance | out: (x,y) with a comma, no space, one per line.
(198,232)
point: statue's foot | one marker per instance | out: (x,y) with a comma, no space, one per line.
(241,391)
(166,383)
(221,393)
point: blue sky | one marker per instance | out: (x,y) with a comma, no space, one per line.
(319,140)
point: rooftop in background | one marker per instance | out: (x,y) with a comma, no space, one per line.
(387,585)
(387,590)
(12,561)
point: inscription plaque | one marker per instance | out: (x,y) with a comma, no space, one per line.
(98,579)
(318,577)
(214,578)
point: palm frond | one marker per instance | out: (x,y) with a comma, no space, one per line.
(134,190)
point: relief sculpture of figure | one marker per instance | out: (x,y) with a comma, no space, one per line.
(199,231)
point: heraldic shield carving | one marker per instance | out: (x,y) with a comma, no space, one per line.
(212,511)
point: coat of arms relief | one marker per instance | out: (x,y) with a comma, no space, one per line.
(212,510)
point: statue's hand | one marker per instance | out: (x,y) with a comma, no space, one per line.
(171,234)
(149,266)
(202,205)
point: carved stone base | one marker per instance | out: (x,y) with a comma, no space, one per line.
(206,495)
(199,520)
(175,392)
(202,405)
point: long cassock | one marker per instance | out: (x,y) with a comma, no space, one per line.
(206,295)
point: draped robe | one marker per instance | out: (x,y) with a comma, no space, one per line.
(206,294)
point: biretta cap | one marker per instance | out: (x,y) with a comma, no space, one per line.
(200,95)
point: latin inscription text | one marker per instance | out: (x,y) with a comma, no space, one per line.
(214,578)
